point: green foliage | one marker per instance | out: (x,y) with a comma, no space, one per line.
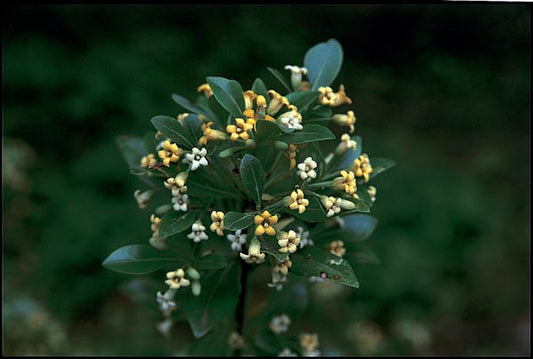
(139,259)
(235,221)
(172,129)
(323,63)
(253,177)
(228,94)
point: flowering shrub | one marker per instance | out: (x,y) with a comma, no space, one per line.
(249,178)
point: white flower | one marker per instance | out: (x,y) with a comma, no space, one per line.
(197,158)
(166,304)
(286,352)
(278,280)
(304,238)
(143,198)
(280,324)
(306,169)
(237,240)
(198,232)
(180,202)
(331,204)
(296,75)
(291,119)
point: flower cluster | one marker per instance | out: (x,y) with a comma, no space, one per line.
(270,170)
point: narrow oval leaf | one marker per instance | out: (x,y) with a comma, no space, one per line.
(186,104)
(176,222)
(192,126)
(259,88)
(314,212)
(302,100)
(235,220)
(313,261)
(380,165)
(210,261)
(228,93)
(323,63)
(279,76)
(267,131)
(361,225)
(309,133)
(253,177)
(171,128)
(219,296)
(132,149)
(139,259)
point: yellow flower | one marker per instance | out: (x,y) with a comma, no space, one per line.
(169,153)
(148,161)
(177,184)
(218,222)
(337,248)
(346,182)
(210,134)
(175,279)
(309,342)
(297,201)
(239,130)
(362,167)
(182,117)
(372,192)
(292,155)
(254,253)
(345,144)
(265,223)
(282,267)
(341,98)
(326,97)
(345,120)
(154,224)
(206,89)
(331,204)
(249,97)
(158,135)
(288,241)
(276,103)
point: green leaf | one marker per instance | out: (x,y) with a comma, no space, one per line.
(139,259)
(171,128)
(323,63)
(347,158)
(214,344)
(313,261)
(267,131)
(302,99)
(270,245)
(360,206)
(314,212)
(186,104)
(324,112)
(362,192)
(219,113)
(309,133)
(380,165)
(192,126)
(279,76)
(220,292)
(228,93)
(132,149)
(210,261)
(361,225)
(259,88)
(176,222)
(253,177)
(235,220)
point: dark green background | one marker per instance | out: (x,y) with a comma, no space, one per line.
(441,89)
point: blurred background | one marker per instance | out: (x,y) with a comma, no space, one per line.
(441,89)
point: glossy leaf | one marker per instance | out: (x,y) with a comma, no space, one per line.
(186,104)
(309,133)
(132,149)
(210,261)
(228,93)
(171,128)
(361,225)
(279,76)
(234,221)
(323,63)
(176,222)
(139,259)
(267,131)
(220,292)
(259,88)
(302,99)
(253,177)
(192,126)
(313,261)
(380,165)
